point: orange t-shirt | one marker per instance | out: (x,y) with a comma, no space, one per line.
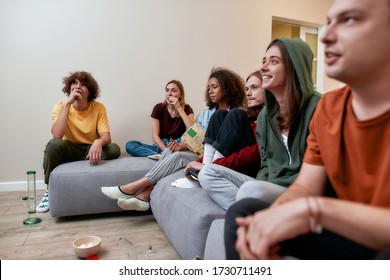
(355,154)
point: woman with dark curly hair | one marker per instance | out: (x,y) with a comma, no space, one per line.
(225,94)
(80,129)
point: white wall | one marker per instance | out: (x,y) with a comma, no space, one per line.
(132,48)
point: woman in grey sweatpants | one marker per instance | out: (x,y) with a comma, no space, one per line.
(225,185)
(172,161)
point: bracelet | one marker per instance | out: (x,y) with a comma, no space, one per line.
(314,215)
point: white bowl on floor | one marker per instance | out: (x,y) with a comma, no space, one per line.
(87,246)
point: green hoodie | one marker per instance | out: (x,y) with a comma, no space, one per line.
(275,159)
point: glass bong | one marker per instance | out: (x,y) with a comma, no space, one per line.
(30,200)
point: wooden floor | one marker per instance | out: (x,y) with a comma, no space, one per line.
(125,235)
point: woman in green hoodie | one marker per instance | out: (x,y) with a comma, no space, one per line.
(282,127)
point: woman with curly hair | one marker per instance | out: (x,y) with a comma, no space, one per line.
(170,119)
(225,94)
(80,129)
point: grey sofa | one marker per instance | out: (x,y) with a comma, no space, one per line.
(215,247)
(185,215)
(74,188)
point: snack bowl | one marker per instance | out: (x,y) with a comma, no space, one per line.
(87,246)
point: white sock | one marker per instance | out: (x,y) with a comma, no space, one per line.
(208,154)
(217,155)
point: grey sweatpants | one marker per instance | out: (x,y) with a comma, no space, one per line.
(169,163)
(225,186)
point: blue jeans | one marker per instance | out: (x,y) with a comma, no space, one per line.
(139,149)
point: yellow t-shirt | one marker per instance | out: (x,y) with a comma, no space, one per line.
(83,127)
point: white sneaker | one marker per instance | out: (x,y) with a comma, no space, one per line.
(133,204)
(115,193)
(43,206)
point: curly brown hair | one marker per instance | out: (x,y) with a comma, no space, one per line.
(86,79)
(232,85)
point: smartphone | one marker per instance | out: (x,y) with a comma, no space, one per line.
(192,173)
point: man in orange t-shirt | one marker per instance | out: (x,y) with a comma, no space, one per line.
(347,146)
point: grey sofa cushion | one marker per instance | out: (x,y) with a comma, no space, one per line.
(185,215)
(74,188)
(215,247)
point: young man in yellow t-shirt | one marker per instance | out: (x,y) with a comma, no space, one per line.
(80,129)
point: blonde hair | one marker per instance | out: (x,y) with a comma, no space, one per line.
(181,88)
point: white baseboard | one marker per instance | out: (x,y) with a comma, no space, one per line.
(20,186)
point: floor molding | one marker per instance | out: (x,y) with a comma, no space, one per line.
(20,186)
